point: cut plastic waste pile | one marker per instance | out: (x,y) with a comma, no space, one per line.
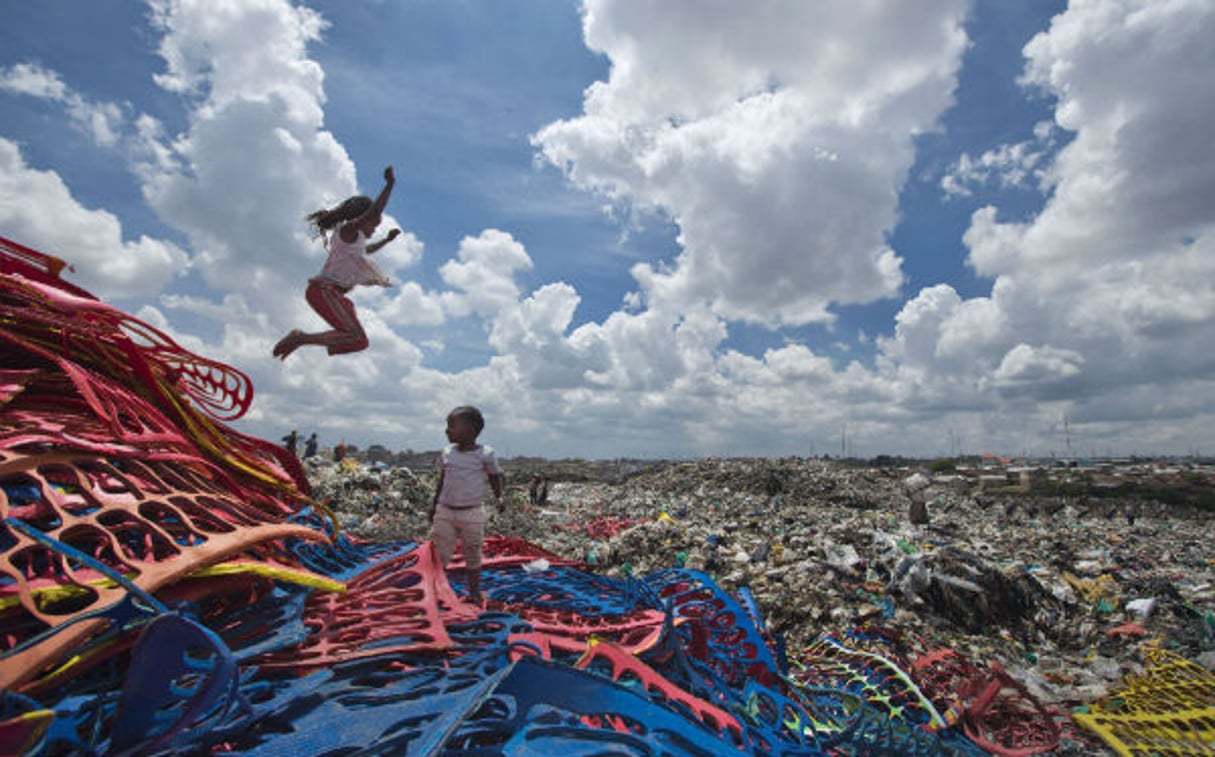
(167,585)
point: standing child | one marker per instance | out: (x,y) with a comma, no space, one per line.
(347,230)
(464,467)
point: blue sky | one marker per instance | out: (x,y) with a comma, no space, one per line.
(652,229)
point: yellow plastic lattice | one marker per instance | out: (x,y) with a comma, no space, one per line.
(1171,683)
(1185,732)
(1167,709)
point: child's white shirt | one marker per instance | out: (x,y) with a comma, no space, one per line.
(466,475)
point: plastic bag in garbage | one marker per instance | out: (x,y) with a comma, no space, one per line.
(536,566)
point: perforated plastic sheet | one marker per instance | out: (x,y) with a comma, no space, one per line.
(1169,709)
(117,478)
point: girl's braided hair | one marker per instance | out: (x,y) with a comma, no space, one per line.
(327,218)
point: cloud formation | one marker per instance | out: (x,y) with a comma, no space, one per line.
(101,121)
(1093,300)
(37,208)
(776,137)
(1017,165)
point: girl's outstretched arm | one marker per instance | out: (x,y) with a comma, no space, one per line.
(376,246)
(371,217)
(390,181)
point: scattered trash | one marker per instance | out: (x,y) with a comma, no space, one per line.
(1141,608)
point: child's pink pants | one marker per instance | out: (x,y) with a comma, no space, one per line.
(330,302)
(467,525)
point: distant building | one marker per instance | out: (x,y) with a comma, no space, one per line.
(1032,479)
(992,481)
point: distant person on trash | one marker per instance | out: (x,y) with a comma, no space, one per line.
(347,231)
(310,446)
(537,489)
(290,440)
(457,512)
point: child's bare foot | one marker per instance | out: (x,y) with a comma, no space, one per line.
(288,344)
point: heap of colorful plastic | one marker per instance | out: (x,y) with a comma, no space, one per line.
(166,585)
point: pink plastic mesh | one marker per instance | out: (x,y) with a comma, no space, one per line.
(111,443)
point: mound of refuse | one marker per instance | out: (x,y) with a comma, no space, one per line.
(169,585)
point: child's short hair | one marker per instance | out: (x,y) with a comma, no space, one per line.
(472,414)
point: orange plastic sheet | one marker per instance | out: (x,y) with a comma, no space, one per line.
(620,665)
(154,523)
(393,607)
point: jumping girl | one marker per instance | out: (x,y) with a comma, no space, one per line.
(347,230)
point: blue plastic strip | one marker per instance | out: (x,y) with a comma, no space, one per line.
(181,676)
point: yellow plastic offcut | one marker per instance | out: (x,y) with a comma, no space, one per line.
(51,594)
(1187,732)
(1169,709)
(1094,589)
(286,575)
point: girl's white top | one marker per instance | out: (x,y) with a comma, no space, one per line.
(348,264)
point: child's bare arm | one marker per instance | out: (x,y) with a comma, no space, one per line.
(376,246)
(371,217)
(434,503)
(496,481)
(377,207)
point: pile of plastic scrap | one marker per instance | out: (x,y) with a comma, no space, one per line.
(169,585)
(121,491)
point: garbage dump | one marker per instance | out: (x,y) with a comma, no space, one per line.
(1051,598)
(169,585)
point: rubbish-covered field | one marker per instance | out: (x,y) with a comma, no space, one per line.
(1062,593)
(169,585)
(824,545)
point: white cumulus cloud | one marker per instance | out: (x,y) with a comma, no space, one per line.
(775,135)
(38,209)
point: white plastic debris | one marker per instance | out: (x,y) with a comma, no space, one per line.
(916,483)
(1090,567)
(1141,608)
(536,566)
(842,556)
